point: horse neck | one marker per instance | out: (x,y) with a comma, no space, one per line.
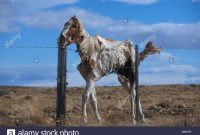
(88,46)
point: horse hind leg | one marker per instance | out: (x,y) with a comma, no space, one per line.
(140,115)
(130,89)
(132,94)
(125,83)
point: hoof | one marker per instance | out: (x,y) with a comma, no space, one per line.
(99,120)
(134,122)
(99,123)
(85,119)
(140,118)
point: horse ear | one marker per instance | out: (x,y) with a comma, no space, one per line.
(77,21)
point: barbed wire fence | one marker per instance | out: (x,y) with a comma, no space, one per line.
(73,50)
(51,47)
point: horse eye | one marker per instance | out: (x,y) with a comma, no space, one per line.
(74,26)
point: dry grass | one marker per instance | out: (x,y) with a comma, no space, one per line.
(36,106)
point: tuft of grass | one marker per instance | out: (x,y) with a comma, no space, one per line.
(27,97)
(4,92)
(193,85)
(30,113)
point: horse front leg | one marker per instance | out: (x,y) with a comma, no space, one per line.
(85,97)
(93,99)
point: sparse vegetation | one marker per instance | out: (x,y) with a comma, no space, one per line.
(167,105)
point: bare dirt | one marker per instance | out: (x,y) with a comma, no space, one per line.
(163,105)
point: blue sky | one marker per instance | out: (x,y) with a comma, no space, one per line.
(174,24)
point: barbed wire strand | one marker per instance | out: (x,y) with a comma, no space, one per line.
(14,68)
(53,47)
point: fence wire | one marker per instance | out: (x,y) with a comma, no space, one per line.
(52,47)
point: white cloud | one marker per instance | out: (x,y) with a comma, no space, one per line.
(41,83)
(28,76)
(168,35)
(40,4)
(170,69)
(7,17)
(6,25)
(173,74)
(157,79)
(144,2)
(193,74)
(56,19)
(14,9)
(193,80)
(195,1)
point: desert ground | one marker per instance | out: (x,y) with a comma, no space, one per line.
(163,105)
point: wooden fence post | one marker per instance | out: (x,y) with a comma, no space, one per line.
(61,83)
(137,80)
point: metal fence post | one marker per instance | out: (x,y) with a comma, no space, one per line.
(61,83)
